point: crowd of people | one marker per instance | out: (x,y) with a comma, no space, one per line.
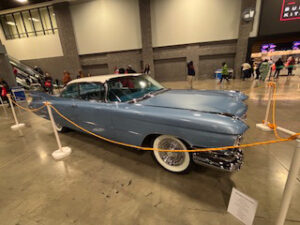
(268,68)
(47,83)
(263,69)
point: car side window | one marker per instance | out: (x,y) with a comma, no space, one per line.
(71,91)
(91,91)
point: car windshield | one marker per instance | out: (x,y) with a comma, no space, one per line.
(127,88)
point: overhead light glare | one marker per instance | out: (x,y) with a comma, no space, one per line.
(34,19)
(22,1)
(10,23)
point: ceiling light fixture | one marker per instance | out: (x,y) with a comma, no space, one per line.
(34,19)
(10,23)
(22,1)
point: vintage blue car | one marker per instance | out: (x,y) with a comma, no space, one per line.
(136,109)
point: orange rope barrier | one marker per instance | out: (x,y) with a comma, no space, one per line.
(27,109)
(273,126)
(293,137)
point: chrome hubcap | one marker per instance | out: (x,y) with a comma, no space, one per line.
(171,158)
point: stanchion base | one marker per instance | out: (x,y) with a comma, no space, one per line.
(17,126)
(263,127)
(61,154)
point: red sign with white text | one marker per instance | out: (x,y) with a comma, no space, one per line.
(290,10)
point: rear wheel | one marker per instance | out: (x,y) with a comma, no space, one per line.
(176,162)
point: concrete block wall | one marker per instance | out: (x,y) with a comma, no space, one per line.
(169,62)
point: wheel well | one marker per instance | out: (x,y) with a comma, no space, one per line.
(148,141)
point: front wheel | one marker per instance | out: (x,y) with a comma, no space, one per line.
(176,162)
(60,128)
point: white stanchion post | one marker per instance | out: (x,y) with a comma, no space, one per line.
(2,104)
(17,125)
(62,152)
(264,126)
(290,185)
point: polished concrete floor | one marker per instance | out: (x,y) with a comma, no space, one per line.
(101,183)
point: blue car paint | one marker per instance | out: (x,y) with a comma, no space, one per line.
(193,116)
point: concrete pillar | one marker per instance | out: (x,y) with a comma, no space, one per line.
(67,37)
(146,33)
(6,72)
(242,44)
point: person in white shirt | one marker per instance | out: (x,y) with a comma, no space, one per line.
(246,69)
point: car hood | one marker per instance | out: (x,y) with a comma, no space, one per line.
(204,101)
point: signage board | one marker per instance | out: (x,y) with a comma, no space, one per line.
(19,94)
(290,10)
(242,206)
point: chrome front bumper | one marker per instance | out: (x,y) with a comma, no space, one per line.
(227,160)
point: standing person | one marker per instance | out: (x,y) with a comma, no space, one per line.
(66,78)
(271,67)
(130,70)
(191,73)
(4,90)
(116,70)
(246,69)
(80,74)
(264,69)
(257,72)
(48,83)
(121,70)
(39,70)
(278,66)
(224,72)
(290,65)
(147,69)
(15,71)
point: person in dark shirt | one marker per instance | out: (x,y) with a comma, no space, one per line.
(191,73)
(129,69)
(121,71)
(279,66)
(147,69)
(290,65)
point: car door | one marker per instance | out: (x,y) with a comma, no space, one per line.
(91,111)
(65,103)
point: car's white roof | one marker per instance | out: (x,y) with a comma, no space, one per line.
(102,78)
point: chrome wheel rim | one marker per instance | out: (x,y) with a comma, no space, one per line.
(171,158)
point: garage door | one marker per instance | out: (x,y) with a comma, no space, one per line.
(170,69)
(99,69)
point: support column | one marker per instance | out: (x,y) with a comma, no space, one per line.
(5,68)
(67,37)
(242,44)
(146,33)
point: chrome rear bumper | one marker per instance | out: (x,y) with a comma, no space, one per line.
(227,160)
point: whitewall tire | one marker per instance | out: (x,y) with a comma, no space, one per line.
(176,162)
(60,128)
